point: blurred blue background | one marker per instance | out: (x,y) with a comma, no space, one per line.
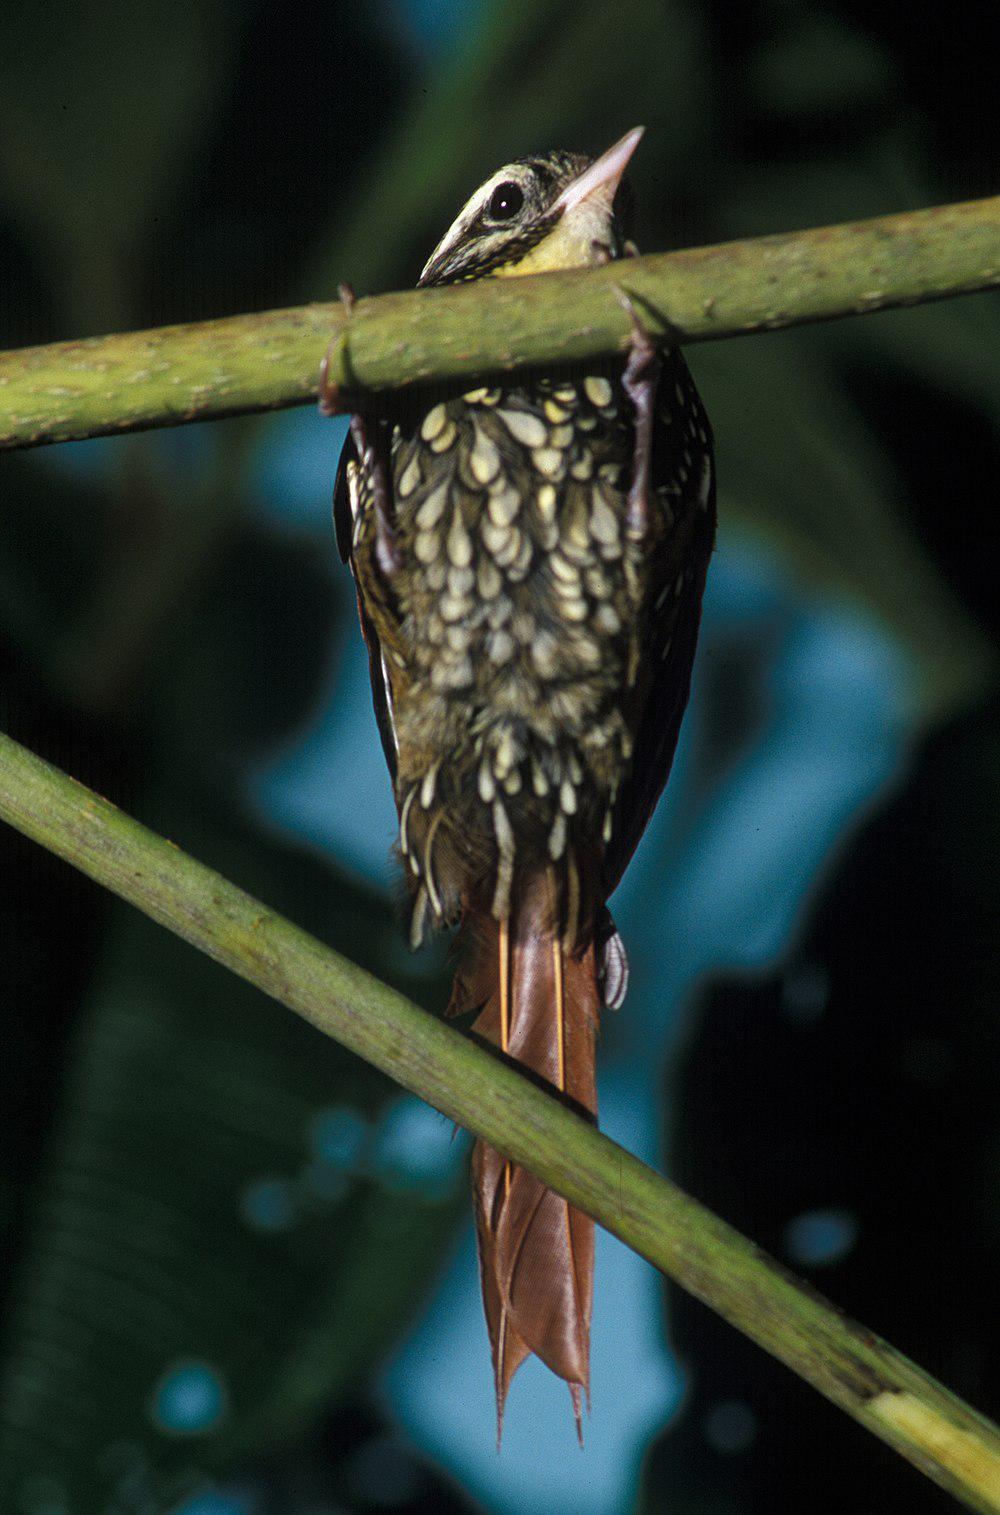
(242,1276)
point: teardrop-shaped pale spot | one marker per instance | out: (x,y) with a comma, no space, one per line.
(459,543)
(547,499)
(561,436)
(597,583)
(428,786)
(524,427)
(524,627)
(548,461)
(484,460)
(495,537)
(545,654)
(603,521)
(522,562)
(567,589)
(563,570)
(583,467)
(597,390)
(427,546)
(460,580)
(475,396)
(566,393)
(457,637)
(433,423)
(607,619)
(573,610)
(506,754)
(610,471)
(435,574)
(588,654)
(444,438)
(576,536)
(488,580)
(503,505)
(567,797)
(501,647)
(460,676)
(557,838)
(539,781)
(506,554)
(431,510)
(453,607)
(410,477)
(555,413)
(487,785)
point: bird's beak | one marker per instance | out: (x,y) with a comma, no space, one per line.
(601,180)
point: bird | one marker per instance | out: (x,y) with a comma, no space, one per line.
(529,554)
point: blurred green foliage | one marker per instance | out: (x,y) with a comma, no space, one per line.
(163,1200)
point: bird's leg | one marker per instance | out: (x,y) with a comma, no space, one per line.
(639,381)
(368,435)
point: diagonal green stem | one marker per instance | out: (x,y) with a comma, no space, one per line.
(263,362)
(862,1374)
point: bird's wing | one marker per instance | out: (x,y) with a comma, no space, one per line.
(683,478)
(348,495)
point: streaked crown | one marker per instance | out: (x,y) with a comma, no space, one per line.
(539,213)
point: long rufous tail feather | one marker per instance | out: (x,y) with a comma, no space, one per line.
(540,1005)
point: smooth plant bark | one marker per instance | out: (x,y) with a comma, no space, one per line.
(174,374)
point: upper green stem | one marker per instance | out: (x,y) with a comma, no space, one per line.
(246,363)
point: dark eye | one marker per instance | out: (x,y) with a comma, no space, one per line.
(506,200)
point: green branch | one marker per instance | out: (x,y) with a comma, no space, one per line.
(263,362)
(946,1439)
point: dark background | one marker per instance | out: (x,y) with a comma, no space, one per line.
(218,1229)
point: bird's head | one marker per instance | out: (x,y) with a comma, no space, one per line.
(536,214)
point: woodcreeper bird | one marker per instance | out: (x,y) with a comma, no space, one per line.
(530,554)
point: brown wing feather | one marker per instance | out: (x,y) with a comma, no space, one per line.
(673,633)
(344,526)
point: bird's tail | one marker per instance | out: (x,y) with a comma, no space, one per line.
(540,1003)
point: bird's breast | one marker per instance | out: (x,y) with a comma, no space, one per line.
(519,601)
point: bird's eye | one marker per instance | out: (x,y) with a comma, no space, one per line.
(506,200)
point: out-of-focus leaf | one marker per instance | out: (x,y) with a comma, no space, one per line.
(816,63)
(91,143)
(224,1239)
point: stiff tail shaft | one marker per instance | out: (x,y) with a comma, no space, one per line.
(540,1005)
